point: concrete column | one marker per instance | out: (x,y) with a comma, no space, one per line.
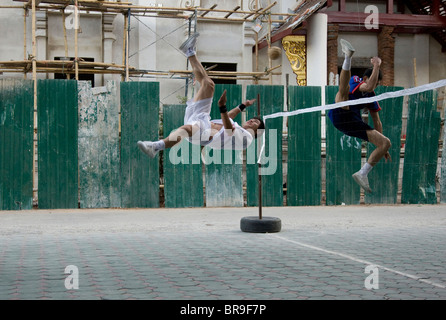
(317,50)
(108,40)
(41,38)
(248,56)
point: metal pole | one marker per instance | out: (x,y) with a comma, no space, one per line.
(260,166)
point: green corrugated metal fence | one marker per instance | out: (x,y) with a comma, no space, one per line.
(57,143)
(16,144)
(139,121)
(343,158)
(421,151)
(182,167)
(443,170)
(83,161)
(271,101)
(383,178)
(224,176)
(304,148)
(99,178)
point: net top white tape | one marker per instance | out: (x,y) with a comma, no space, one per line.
(383,96)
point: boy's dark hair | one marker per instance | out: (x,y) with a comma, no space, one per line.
(369,71)
(261,126)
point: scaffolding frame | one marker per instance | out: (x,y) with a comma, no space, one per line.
(31,65)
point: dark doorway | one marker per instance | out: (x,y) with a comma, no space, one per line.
(217,66)
(82,76)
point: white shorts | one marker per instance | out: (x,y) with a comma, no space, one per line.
(198,114)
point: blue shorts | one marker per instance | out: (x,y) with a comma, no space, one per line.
(349,122)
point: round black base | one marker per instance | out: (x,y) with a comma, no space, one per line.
(257,225)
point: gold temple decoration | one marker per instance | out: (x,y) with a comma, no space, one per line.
(295,49)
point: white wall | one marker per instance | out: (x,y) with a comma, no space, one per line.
(407,48)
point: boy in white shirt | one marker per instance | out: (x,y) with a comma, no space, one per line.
(198,127)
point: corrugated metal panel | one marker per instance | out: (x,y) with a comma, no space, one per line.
(139,121)
(271,101)
(443,169)
(57,143)
(16,144)
(342,160)
(383,178)
(183,176)
(421,153)
(224,178)
(304,148)
(99,174)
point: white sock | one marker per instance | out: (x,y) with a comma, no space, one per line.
(347,63)
(365,169)
(190,52)
(159,145)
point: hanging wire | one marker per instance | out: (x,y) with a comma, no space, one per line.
(160,37)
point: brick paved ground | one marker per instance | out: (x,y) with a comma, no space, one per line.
(201,254)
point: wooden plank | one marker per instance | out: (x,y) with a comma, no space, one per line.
(57,110)
(304,148)
(342,160)
(383,179)
(139,121)
(421,150)
(182,167)
(16,144)
(223,168)
(271,101)
(99,165)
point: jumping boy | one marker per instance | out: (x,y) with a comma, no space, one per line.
(348,119)
(198,127)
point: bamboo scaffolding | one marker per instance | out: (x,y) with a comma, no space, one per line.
(68,67)
(170,12)
(126,71)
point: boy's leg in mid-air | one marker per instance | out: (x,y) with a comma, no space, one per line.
(206,91)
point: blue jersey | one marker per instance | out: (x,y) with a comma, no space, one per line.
(350,121)
(355,93)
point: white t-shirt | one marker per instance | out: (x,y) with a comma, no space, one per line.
(239,140)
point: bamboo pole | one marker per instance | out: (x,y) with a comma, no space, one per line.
(124,44)
(415,76)
(76,36)
(127,48)
(270,62)
(24,36)
(34,44)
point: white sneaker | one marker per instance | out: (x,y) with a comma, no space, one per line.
(363,181)
(148,148)
(188,46)
(347,48)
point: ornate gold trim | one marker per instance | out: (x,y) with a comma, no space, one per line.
(296,51)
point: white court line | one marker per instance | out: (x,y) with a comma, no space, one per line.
(339,254)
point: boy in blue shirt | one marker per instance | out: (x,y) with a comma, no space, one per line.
(348,119)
